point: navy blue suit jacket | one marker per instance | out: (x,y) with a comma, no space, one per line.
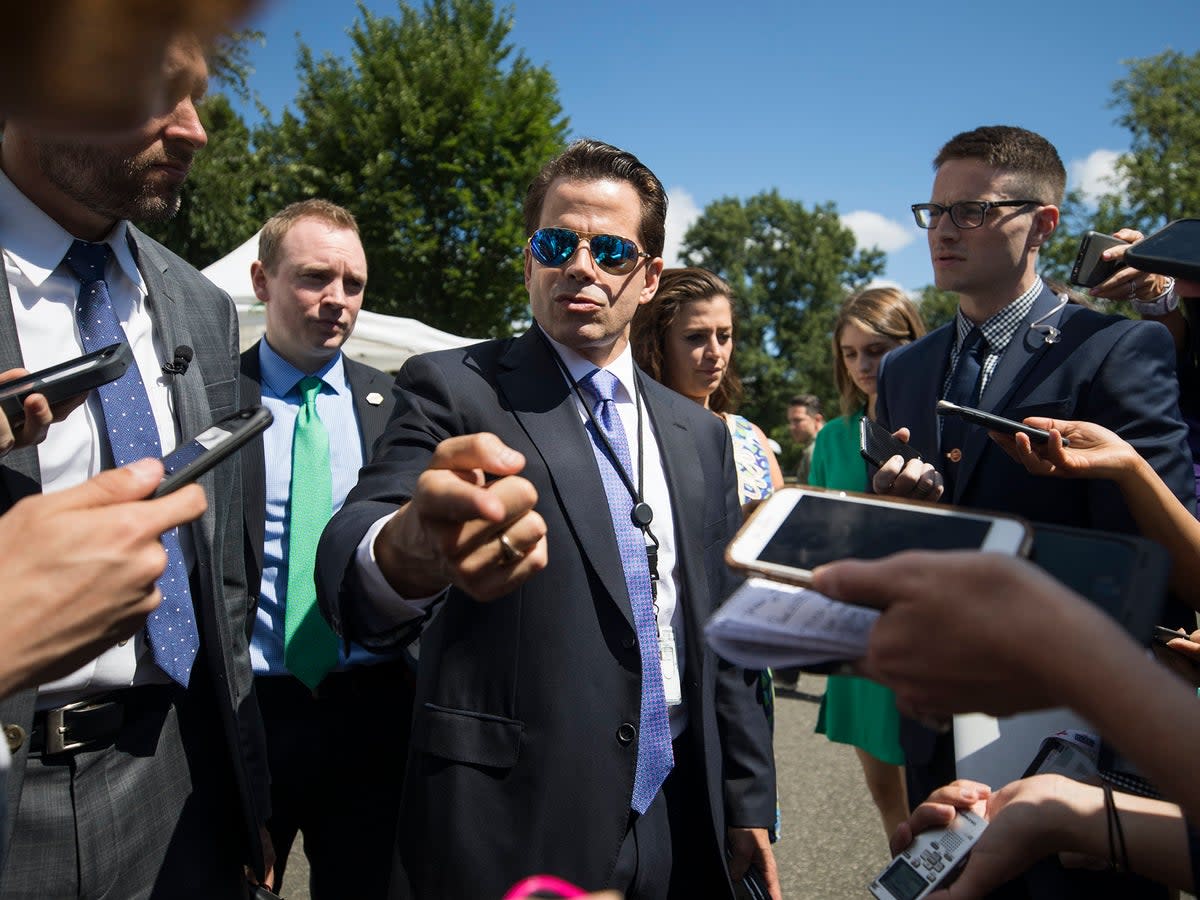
(519,762)
(1110,370)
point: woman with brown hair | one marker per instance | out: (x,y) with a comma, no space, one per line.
(683,338)
(857,711)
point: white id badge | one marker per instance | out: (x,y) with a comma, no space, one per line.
(670,665)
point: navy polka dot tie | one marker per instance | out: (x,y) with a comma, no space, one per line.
(132,435)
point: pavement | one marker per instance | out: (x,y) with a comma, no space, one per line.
(832,843)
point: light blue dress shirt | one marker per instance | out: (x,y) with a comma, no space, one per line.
(335,406)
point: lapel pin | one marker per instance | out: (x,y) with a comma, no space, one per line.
(374,398)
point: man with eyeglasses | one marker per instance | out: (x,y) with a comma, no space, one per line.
(562,519)
(1017,350)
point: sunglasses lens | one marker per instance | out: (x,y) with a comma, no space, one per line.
(553,246)
(612,253)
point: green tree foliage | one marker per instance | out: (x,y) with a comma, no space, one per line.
(430,133)
(937,307)
(791,267)
(1158,179)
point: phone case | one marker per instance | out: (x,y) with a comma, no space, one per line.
(1090,269)
(65,380)
(877,445)
(1172,250)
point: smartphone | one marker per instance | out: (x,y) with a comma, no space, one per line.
(995,423)
(931,861)
(65,380)
(1172,250)
(797,529)
(1164,635)
(197,456)
(1090,268)
(877,445)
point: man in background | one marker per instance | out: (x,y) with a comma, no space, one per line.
(336,717)
(804,421)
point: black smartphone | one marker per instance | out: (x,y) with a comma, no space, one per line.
(1172,250)
(205,450)
(995,423)
(65,380)
(1090,268)
(877,445)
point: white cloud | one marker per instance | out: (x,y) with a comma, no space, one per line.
(682,211)
(1096,174)
(874,230)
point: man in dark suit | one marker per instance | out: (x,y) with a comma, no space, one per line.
(556,688)
(994,203)
(143,773)
(332,777)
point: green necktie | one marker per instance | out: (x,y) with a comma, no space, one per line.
(310,648)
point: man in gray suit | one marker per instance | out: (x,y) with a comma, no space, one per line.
(142,773)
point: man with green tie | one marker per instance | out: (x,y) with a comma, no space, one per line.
(341,792)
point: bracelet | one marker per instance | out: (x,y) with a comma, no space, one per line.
(1164,303)
(1114,825)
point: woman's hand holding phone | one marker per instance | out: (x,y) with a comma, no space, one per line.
(1095,452)
(913,478)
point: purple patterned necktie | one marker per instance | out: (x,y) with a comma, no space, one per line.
(655,757)
(133,435)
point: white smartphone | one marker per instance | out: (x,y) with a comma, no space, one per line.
(797,529)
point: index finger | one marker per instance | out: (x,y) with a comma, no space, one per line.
(483,452)
(875,583)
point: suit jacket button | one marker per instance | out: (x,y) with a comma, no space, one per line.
(629,641)
(626,733)
(954,455)
(15,735)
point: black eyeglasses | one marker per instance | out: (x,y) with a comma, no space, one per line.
(964,213)
(614,254)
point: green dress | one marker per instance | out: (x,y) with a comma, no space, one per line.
(855,710)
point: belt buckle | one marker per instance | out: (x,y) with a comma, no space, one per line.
(56,729)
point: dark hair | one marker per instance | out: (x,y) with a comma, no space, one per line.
(591,160)
(885,311)
(1027,156)
(811,403)
(270,239)
(653,320)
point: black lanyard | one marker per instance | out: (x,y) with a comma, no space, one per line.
(641,514)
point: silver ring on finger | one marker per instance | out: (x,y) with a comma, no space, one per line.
(509,554)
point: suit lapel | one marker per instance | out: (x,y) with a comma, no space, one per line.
(189,399)
(372,417)
(1021,355)
(20,471)
(926,382)
(549,415)
(254,472)
(685,484)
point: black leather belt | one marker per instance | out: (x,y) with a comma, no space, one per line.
(92,723)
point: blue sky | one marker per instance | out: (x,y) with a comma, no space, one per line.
(845,102)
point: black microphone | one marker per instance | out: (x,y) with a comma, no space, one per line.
(179,365)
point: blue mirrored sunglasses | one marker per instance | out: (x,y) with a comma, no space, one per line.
(614,254)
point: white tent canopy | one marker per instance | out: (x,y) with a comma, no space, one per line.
(384,342)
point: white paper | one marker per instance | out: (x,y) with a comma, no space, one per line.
(766,623)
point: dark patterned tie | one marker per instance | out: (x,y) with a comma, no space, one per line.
(964,390)
(655,756)
(132,435)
